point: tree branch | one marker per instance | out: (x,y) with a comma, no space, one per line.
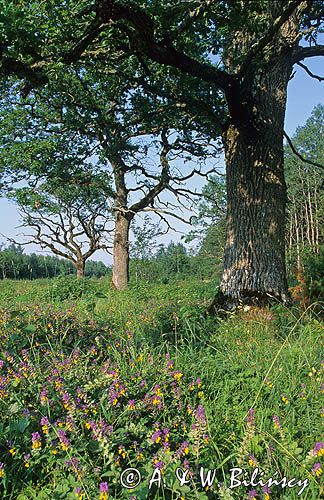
(34,75)
(301,53)
(305,160)
(308,71)
(142,40)
(267,38)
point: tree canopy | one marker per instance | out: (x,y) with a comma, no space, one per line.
(213,69)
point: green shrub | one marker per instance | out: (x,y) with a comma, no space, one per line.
(70,287)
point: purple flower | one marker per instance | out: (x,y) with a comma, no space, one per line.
(43,395)
(183,450)
(36,440)
(317,469)
(159,464)
(200,415)
(65,443)
(276,422)
(74,465)
(36,436)
(156,436)
(103,488)
(319,449)
(250,419)
(186,464)
(131,404)
(252,460)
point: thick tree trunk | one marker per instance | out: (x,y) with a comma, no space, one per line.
(121,252)
(254,260)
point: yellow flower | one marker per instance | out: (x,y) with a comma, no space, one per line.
(178,376)
(12,451)
(318,472)
(36,445)
(27,464)
(284,399)
(122,452)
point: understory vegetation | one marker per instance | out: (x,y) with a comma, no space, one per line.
(187,369)
(93,382)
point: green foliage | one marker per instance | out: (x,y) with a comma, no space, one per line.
(166,264)
(314,277)
(14,264)
(82,399)
(305,218)
(70,288)
(209,228)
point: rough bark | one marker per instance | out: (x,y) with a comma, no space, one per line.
(121,252)
(254,261)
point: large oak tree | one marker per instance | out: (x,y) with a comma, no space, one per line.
(85,131)
(243,54)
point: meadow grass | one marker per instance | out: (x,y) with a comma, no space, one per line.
(97,382)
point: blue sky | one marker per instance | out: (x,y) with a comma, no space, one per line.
(304,93)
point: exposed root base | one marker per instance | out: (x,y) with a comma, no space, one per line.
(222,305)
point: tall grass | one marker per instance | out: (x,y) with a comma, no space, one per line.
(145,379)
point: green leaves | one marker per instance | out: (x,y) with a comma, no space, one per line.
(18,426)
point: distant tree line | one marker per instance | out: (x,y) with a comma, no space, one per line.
(175,262)
(305,181)
(15,264)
